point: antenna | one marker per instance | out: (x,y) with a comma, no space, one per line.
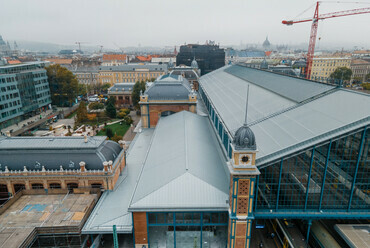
(246,107)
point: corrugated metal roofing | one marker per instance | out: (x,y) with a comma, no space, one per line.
(295,89)
(184,146)
(112,208)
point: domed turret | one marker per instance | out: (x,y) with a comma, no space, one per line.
(244,139)
(264,64)
(170,63)
(194,64)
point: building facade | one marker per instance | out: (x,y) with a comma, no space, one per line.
(24,92)
(58,163)
(209,57)
(122,92)
(130,73)
(360,68)
(114,59)
(169,94)
(322,68)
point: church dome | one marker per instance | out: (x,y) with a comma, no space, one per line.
(266,43)
(194,64)
(244,139)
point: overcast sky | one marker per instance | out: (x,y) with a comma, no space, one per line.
(174,22)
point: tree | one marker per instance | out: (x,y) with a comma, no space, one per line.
(342,74)
(110,109)
(63,85)
(137,89)
(81,112)
(109,132)
(105,87)
(83,89)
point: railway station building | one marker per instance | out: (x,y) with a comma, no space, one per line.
(259,146)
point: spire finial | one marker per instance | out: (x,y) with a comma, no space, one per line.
(246,107)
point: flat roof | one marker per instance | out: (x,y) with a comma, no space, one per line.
(32,211)
(355,235)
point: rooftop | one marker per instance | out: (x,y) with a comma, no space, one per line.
(186,148)
(169,87)
(112,208)
(33,211)
(53,152)
(285,113)
(119,57)
(134,67)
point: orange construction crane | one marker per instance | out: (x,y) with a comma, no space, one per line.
(315,22)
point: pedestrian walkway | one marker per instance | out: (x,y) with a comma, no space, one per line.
(130,134)
(23,124)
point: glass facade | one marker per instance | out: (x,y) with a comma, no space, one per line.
(217,123)
(23,90)
(332,176)
(187,229)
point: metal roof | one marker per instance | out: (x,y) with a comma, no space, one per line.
(185,147)
(121,87)
(112,208)
(281,125)
(308,124)
(169,87)
(228,94)
(295,89)
(53,152)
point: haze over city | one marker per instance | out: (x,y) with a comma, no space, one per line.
(167,22)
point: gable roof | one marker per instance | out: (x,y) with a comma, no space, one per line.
(185,147)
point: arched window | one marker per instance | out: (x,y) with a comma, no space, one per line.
(37,186)
(55,186)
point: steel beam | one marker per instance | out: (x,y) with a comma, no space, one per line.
(356,170)
(278,191)
(324,176)
(309,178)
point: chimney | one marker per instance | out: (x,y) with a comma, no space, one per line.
(110,163)
(85,138)
(105,164)
(82,166)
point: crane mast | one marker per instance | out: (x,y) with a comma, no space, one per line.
(314,26)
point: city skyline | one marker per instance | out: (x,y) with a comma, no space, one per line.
(115,24)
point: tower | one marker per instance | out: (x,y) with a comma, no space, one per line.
(243,172)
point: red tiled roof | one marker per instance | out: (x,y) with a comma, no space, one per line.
(14,62)
(118,57)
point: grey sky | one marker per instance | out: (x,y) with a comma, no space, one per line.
(174,22)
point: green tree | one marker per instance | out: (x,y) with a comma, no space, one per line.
(341,73)
(138,87)
(104,88)
(83,89)
(110,108)
(81,112)
(367,77)
(109,132)
(63,85)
